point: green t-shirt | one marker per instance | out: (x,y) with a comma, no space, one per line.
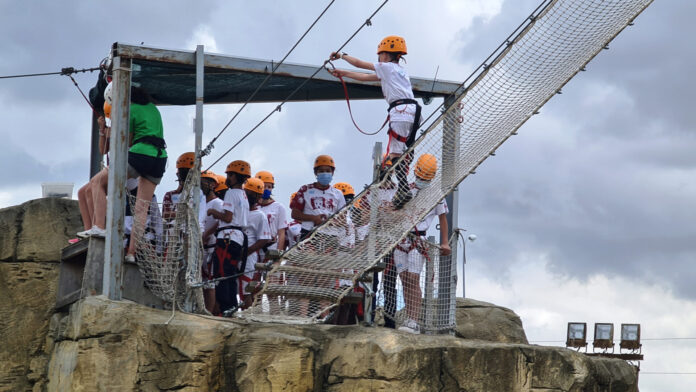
(145,120)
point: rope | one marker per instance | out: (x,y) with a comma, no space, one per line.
(83,94)
(209,147)
(63,71)
(345,92)
(367,22)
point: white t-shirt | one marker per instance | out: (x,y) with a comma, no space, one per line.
(314,201)
(209,221)
(396,85)
(292,234)
(256,229)
(277,219)
(440,208)
(235,201)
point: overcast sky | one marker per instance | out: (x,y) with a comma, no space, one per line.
(587,215)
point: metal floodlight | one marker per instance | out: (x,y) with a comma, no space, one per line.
(630,336)
(577,335)
(603,335)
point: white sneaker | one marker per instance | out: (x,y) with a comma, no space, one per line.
(96,232)
(410,326)
(130,258)
(84,234)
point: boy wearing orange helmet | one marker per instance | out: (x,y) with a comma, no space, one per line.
(209,182)
(258,234)
(404,111)
(232,242)
(411,253)
(314,203)
(183,165)
(275,211)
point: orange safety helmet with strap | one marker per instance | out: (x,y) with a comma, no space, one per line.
(255,185)
(426,167)
(265,176)
(324,160)
(221,179)
(107,110)
(392,44)
(210,175)
(186,160)
(345,188)
(239,167)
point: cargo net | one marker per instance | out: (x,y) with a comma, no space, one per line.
(417,288)
(540,57)
(169,249)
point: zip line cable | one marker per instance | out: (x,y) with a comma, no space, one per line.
(367,22)
(64,71)
(209,147)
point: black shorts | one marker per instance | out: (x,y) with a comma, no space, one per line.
(146,166)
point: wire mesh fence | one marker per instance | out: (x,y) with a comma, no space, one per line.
(554,44)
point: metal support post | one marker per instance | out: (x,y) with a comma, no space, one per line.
(450,160)
(372,230)
(429,302)
(116,204)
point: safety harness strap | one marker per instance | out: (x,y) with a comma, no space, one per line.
(153,141)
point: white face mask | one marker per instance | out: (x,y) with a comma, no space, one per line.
(421,184)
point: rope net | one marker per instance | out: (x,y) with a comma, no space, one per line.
(169,249)
(321,272)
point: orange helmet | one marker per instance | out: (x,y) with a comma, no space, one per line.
(292,196)
(426,167)
(393,44)
(239,167)
(324,160)
(265,176)
(186,160)
(221,183)
(345,188)
(107,109)
(255,185)
(209,174)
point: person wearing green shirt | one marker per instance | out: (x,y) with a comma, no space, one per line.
(147,157)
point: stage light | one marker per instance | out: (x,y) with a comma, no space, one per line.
(603,335)
(577,335)
(630,336)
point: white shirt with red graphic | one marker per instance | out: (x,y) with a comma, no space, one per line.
(316,201)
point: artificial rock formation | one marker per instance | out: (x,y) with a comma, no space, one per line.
(31,238)
(102,345)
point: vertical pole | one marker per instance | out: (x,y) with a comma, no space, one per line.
(376,164)
(198,126)
(429,303)
(450,160)
(116,204)
(94,156)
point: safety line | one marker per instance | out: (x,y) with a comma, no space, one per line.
(367,22)
(209,147)
(63,71)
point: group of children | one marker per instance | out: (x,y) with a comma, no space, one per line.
(240,221)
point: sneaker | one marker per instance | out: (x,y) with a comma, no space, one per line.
(97,232)
(84,234)
(410,326)
(400,199)
(130,258)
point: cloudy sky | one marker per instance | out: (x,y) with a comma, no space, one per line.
(587,215)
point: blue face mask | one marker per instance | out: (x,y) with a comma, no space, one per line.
(266,194)
(421,184)
(324,178)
